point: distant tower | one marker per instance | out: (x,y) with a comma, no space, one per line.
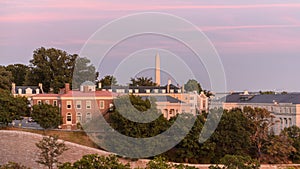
(157,69)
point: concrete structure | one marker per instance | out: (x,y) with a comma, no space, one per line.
(78,106)
(284,107)
(157,69)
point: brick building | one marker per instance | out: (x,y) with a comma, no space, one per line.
(77,106)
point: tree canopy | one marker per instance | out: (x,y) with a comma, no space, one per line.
(193,85)
(18,72)
(142,81)
(108,80)
(5,78)
(52,67)
(46,115)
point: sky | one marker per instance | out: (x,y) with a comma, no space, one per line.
(258,42)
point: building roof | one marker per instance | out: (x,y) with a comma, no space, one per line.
(88,94)
(23,88)
(166,98)
(142,89)
(293,98)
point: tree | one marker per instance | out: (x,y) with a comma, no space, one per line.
(193,85)
(50,149)
(52,67)
(108,80)
(12,108)
(232,136)
(92,161)
(19,72)
(237,161)
(278,149)
(260,124)
(46,115)
(13,165)
(5,79)
(83,71)
(142,81)
(294,134)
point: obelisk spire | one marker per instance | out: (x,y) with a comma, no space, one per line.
(157,69)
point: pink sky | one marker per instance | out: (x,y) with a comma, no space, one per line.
(240,30)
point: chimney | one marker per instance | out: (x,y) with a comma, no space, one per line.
(157,70)
(13,88)
(100,85)
(168,86)
(182,88)
(41,87)
(67,87)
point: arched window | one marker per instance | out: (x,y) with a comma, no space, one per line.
(69,118)
(78,118)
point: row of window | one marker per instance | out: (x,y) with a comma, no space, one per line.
(39,102)
(88,104)
(146,90)
(88,117)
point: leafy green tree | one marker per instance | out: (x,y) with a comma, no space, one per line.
(83,71)
(193,85)
(142,81)
(92,161)
(13,165)
(237,162)
(294,134)
(50,149)
(52,67)
(46,115)
(5,79)
(19,72)
(108,80)
(12,108)
(232,135)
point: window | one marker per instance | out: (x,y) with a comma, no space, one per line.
(69,117)
(39,102)
(88,105)
(78,104)
(69,104)
(101,104)
(88,117)
(290,122)
(54,102)
(78,118)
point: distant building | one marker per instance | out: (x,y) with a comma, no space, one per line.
(284,107)
(27,91)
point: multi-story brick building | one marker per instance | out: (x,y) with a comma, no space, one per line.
(77,106)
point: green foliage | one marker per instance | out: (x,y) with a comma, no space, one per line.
(52,67)
(94,161)
(294,134)
(278,149)
(237,162)
(108,80)
(83,71)
(142,81)
(46,115)
(19,72)
(232,135)
(12,108)
(13,165)
(158,163)
(193,85)
(50,149)
(5,79)
(266,92)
